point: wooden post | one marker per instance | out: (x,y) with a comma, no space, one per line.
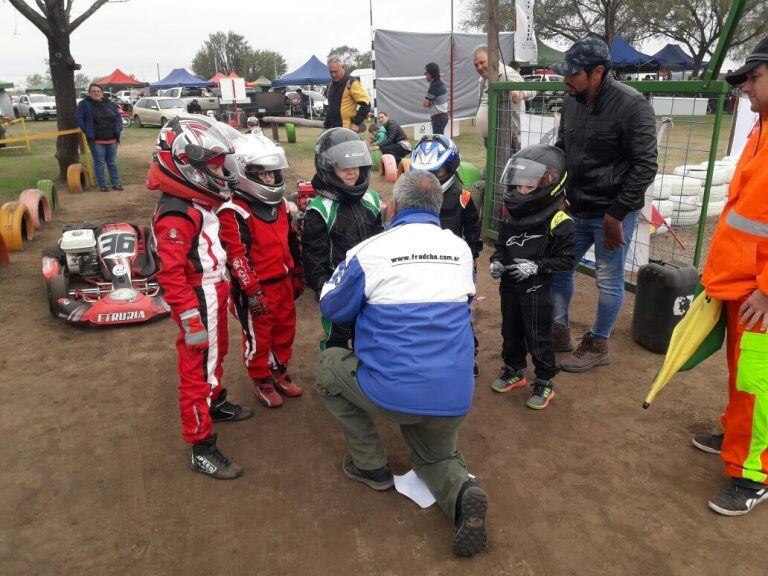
(275,132)
(492,27)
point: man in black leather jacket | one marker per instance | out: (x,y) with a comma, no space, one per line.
(608,134)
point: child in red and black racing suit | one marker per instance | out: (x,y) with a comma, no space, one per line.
(189,171)
(264,258)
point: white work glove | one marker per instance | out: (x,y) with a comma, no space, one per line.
(497,269)
(523,269)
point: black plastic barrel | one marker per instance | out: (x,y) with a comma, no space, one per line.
(664,294)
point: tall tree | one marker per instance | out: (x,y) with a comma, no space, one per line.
(54,19)
(698,24)
(222,52)
(571,19)
(347,54)
(364,60)
(36,80)
(266,63)
(82,81)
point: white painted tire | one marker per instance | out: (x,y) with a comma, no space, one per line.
(719,175)
(730,170)
(715,208)
(685,203)
(685,218)
(730,160)
(718,193)
(681,170)
(665,207)
(667,185)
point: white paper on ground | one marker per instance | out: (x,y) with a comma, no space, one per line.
(413,487)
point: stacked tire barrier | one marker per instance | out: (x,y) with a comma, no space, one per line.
(19,219)
(679,197)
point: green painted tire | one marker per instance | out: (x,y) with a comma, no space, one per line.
(375,160)
(469,174)
(48,188)
(290,130)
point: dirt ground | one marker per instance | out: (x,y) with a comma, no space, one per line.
(95,478)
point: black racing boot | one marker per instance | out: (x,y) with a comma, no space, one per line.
(207,459)
(223,410)
(471,507)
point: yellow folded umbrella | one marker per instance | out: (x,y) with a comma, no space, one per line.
(698,335)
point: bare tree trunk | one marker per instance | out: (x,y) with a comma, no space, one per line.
(63,77)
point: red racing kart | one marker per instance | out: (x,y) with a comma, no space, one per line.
(104,275)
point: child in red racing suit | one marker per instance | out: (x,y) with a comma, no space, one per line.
(189,171)
(264,258)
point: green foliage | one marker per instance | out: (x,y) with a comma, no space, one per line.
(231,52)
(82,81)
(352,57)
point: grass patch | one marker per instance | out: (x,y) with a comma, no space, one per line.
(18,172)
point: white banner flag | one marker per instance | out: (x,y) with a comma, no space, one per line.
(525,36)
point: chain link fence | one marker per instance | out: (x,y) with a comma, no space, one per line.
(691,187)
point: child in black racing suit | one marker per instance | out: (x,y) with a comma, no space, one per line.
(536,240)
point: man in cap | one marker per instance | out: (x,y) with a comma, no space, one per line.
(608,134)
(736,272)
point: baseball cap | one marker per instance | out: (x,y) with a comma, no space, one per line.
(588,51)
(758,56)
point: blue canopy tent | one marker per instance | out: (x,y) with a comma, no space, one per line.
(626,58)
(311,72)
(672,57)
(180,77)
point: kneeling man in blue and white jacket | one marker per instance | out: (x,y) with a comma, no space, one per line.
(408,292)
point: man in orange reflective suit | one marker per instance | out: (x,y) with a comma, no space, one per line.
(737,273)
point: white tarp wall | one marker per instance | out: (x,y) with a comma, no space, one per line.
(400,60)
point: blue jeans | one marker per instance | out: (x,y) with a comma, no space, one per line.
(609,274)
(105,154)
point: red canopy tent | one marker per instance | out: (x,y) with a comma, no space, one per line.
(119,79)
(220,75)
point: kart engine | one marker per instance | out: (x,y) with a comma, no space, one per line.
(79,247)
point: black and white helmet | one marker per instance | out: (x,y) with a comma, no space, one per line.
(342,148)
(253,156)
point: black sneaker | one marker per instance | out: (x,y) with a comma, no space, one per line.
(543,392)
(208,459)
(103,189)
(470,536)
(223,410)
(737,499)
(118,187)
(711,443)
(379,479)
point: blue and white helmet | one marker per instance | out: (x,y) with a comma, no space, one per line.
(435,152)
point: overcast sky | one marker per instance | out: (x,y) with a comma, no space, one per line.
(138,35)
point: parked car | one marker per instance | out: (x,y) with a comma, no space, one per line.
(36,106)
(545,102)
(319,103)
(206,99)
(157,111)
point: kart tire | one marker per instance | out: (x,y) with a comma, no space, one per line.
(38,206)
(5,254)
(77,180)
(48,188)
(389,167)
(290,132)
(469,174)
(55,251)
(404,166)
(685,203)
(55,288)
(376,160)
(15,225)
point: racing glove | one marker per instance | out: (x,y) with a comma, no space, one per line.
(523,269)
(257,304)
(195,334)
(497,269)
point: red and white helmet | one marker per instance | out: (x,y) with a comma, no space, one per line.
(192,149)
(253,156)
